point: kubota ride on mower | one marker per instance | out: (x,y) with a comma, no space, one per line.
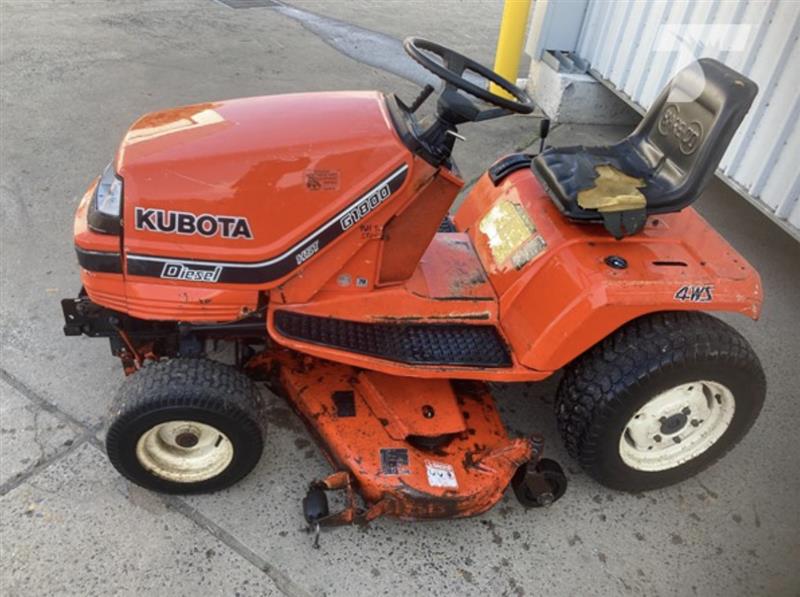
(311,232)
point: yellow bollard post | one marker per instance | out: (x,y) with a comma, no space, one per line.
(510,41)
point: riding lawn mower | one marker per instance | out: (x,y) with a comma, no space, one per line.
(311,234)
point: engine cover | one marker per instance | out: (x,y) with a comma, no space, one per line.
(247,190)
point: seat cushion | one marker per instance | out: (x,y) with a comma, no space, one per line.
(566,171)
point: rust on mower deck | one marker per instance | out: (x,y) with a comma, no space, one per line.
(415,448)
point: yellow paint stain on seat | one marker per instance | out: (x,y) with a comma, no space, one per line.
(613,191)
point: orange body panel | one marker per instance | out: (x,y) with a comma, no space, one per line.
(405,405)
(289,170)
(358,253)
(557,304)
(566,298)
(288,163)
(406,237)
(448,286)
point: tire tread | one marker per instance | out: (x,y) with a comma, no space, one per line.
(185,382)
(595,385)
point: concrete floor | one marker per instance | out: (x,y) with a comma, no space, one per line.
(74,76)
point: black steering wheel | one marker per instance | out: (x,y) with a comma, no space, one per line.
(452,69)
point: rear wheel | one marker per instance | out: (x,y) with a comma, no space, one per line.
(659,400)
(186,425)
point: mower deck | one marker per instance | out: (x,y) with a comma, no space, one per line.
(414,448)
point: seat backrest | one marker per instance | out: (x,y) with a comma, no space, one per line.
(688,128)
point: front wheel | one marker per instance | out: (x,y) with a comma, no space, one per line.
(659,400)
(186,426)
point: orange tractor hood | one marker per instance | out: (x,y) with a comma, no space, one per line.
(243,180)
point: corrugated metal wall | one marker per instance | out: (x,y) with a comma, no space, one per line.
(623,41)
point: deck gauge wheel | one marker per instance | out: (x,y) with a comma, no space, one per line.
(539,485)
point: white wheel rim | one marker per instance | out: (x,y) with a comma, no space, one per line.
(184,451)
(677,426)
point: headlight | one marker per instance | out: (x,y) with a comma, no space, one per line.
(104,212)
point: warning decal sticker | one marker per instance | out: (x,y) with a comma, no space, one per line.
(440,474)
(322,180)
(394,461)
(507,227)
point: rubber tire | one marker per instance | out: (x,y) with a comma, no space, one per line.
(186,389)
(603,388)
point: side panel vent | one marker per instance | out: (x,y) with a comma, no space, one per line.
(413,344)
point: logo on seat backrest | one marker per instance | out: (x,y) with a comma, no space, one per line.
(688,134)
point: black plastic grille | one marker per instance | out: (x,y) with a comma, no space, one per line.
(413,344)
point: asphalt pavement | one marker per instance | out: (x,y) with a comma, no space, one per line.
(73,76)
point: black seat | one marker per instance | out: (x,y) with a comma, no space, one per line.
(673,152)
